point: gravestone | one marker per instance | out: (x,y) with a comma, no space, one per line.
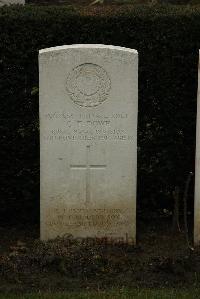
(197,170)
(88,141)
(10,2)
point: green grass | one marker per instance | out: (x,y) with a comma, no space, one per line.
(117,294)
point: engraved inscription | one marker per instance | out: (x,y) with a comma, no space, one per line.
(87,217)
(88,85)
(88,127)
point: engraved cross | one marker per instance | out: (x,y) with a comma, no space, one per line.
(88,166)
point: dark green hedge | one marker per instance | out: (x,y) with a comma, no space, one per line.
(167,38)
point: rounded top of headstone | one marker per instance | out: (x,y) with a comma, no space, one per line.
(87,46)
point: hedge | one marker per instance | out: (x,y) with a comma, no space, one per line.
(167,39)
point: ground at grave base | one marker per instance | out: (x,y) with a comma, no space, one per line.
(160,260)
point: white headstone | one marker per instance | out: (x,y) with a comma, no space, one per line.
(10,2)
(88,140)
(197,170)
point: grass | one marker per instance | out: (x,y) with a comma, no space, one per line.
(116,294)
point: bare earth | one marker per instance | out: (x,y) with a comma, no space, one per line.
(161,259)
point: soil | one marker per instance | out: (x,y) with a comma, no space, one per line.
(160,259)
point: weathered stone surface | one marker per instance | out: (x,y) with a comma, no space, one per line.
(88,138)
(9,2)
(197,170)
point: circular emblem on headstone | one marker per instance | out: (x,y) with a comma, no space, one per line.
(88,85)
